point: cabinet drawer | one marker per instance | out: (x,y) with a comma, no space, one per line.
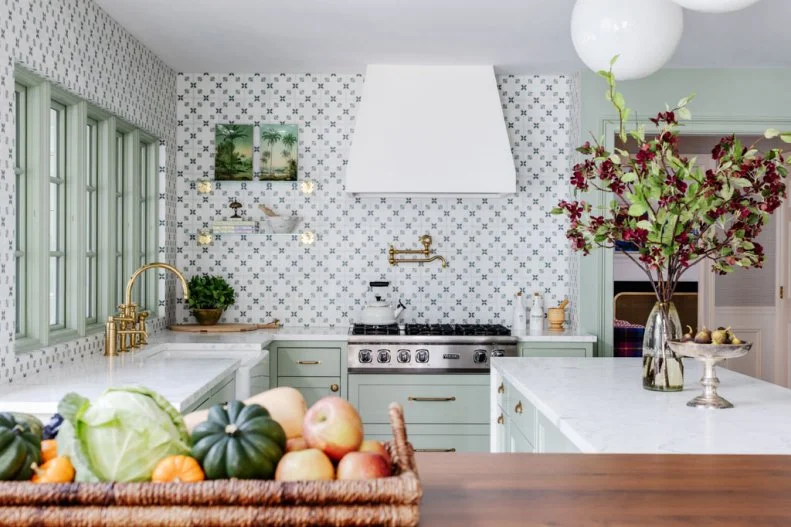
(313,388)
(498,388)
(441,438)
(552,352)
(521,412)
(423,402)
(226,391)
(311,362)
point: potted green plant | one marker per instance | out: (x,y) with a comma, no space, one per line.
(209,296)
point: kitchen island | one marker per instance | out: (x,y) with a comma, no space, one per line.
(598,405)
(626,490)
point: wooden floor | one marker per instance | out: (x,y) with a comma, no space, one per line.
(583,489)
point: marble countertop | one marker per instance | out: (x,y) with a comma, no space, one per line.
(600,405)
(544,334)
(180,369)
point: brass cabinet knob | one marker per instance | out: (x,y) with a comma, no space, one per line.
(334,387)
(518,407)
(501,388)
(501,419)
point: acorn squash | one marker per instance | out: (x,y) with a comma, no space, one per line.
(20,448)
(238,441)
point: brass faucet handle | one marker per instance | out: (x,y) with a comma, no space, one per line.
(426,241)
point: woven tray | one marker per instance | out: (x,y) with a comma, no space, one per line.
(389,501)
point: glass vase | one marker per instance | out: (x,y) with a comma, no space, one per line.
(663,370)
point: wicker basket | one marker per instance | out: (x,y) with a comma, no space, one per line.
(386,501)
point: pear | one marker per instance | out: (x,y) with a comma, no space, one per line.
(703,336)
(736,340)
(688,336)
(719,337)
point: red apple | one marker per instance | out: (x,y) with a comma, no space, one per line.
(333,426)
(372,445)
(305,465)
(363,465)
(295,444)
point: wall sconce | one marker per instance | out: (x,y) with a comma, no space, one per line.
(204,186)
(307,238)
(205,238)
(307,187)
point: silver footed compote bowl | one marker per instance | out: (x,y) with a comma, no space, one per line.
(709,355)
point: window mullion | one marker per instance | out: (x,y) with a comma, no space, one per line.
(37,161)
(20,145)
(107,195)
(76,215)
(132,204)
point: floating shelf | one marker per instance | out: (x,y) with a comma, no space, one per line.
(207,237)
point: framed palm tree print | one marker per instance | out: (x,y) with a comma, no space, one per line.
(279,152)
(233,159)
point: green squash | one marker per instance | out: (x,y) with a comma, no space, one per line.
(238,441)
(36,426)
(20,448)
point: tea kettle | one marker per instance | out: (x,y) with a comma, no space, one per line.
(379,312)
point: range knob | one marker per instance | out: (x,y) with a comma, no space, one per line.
(403,356)
(421,356)
(383,356)
(479,356)
(365,356)
(498,353)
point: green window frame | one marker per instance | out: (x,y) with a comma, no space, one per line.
(20,287)
(90,180)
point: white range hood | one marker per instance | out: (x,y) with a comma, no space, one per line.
(430,130)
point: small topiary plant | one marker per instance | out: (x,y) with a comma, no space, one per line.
(210,292)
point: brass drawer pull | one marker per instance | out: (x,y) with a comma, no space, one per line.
(435,450)
(518,407)
(334,387)
(431,399)
(501,419)
(309,362)
(501,388)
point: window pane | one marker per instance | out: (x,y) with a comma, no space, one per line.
(54,212)
(19,201)
(54,124)
(53,290)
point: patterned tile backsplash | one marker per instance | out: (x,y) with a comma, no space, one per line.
(494,246)
(78,46)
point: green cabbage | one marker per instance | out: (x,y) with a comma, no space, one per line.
(121,435)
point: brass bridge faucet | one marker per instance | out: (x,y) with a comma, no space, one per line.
(425,251)
(127,329)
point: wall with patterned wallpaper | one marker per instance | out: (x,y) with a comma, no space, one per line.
(494,246)
(76,45)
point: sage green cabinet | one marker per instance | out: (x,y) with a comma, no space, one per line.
(447,413)
(557,349)
(315,368)
(517,442)
(312,388)
(222,392)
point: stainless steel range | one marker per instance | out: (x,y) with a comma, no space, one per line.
(428,348)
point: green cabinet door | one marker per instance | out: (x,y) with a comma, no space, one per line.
(556,349)
(312,388)
(517,442)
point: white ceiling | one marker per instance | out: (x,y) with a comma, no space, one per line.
(517,36)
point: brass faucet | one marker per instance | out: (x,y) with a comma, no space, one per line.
(127,330)
(426,251)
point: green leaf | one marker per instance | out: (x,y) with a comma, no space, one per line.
(637,209)
(644,224)
(629,177)
(619,101)
(684,113)
(785,137)
(771,133)
(614,59)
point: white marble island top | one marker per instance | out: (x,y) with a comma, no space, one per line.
(600,406)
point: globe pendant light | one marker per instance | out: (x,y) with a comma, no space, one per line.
(644,33)
(715,6)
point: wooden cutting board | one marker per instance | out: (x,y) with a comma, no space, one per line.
(223,328)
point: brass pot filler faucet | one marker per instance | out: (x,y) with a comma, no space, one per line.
(426,251)
(127,330)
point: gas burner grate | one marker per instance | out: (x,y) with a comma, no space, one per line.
(371,329)
(486,330)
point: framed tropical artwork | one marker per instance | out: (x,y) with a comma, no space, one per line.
(233,160)
(279,152)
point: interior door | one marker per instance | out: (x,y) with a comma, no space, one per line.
(752,304)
